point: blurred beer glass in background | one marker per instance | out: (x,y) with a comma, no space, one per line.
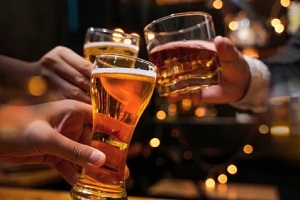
(181,46)
(121,88)
(102,40)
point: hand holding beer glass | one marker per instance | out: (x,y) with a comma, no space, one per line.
(181,46)
(121,88)
(102,40)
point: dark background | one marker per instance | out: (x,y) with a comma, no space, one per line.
(30,28)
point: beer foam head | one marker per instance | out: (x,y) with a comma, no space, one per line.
(125,71)
(106,43)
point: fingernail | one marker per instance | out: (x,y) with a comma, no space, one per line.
(97,158)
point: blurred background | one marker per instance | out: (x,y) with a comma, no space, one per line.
(181,150)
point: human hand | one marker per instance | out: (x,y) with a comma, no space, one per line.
(66,72)
(235,78)
(55,133)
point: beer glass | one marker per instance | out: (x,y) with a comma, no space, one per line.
(102,40)
(181,46)
(121,88)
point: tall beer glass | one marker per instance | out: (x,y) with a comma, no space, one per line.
(121,88)
(181,47)
(102,40)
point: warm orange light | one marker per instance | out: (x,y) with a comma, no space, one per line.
(222,178)
(186,104)
(37,86)
(251,52)
(232,169)
(275,22)
(172,110)
(279,28)
(210,183)
(217,4)
(154,142)
(119,30)
(285,3)
(200,111)
(280,130)
(248,149)
(161,115)
(233,25)
(117,37)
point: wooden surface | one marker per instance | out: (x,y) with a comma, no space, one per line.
(27,175)
(10,193)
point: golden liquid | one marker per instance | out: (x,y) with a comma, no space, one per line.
(91,50)
(118,98)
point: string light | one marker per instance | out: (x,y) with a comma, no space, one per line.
(232,169)
(222,178)
(210,183)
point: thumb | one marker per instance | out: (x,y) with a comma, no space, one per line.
(80,154)
(234,67)
(226,50)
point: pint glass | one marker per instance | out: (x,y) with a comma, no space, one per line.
(102,40)
(181,46)
(121,88)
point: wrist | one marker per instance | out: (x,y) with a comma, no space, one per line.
(257,92)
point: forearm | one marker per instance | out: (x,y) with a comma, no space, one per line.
(14,77)
(12,66)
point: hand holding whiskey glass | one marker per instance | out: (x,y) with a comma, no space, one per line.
(181,46)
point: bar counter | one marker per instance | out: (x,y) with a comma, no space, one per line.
(14,193)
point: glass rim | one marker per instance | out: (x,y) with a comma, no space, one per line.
(151,65)
(174,15)
(110,31)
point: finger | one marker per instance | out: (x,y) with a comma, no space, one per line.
(67,64)
(70,90)
(80,154)
(70,73)
(227,52)
(233,65)
(212,94)
(87,135)
(78,62)
(84,108)
(127,172)
(58,109)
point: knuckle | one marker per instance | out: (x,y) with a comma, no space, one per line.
(75,92)
(80,79)
(77,151)
(58,48)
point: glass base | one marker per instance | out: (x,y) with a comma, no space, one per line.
(188,85)
(82,193)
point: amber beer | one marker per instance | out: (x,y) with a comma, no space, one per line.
(102,40)
(90,50)
(119,97)
(185,65)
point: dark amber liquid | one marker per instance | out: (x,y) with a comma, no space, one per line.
(185,65)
